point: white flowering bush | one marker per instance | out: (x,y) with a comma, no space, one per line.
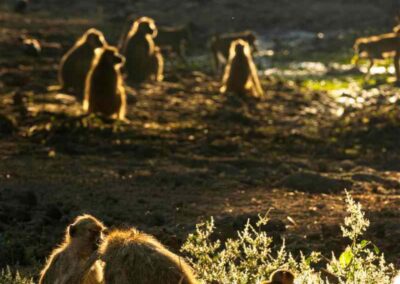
(249,258)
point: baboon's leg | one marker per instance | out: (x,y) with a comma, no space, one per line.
(182,52)
(371,64)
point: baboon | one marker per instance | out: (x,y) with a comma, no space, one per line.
(378,47)
(174,39)
(220,45)
(240,76)
(76,63)
(143,58)
(104,90)
(82,239)
(131,256)
(281,277)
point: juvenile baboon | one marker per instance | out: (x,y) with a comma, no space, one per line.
(82,239)
(131,256)
(240,76)
(378,47)
(281,277)
(220,45)
(174,39)
(142,56)
(104,90)
(76,63)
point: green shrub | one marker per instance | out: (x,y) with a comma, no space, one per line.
(7,277)
(250,259)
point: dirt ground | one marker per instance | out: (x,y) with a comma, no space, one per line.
(188,153)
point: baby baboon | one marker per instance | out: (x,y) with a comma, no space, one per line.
(76,63)
(240,76)
(281,277)
(379,47)
(142,56)
(220,45)
(131,256)
(174,39)
(82,239)
(104,90)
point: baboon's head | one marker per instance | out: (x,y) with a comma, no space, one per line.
(239,47)
(86,232)
(95,38)
(145,26)
(282,277)
(109,56)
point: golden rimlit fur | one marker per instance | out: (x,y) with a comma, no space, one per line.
(76,63)
(69,259)
(240,76)
(104,92)
(220,46)
(281,277)
(143,59)
(131,256)
(379,47)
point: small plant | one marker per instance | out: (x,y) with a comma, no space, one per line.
(250,258)
(7,277)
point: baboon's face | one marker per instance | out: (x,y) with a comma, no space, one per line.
(147,27)
(239,49)
(88,232)
(95,40)
(114,58)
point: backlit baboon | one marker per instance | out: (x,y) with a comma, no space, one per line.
(220,45)
(240,76)
(379,47)
(82,239)
(76,63)
(174,39)
(131,256)
(104,92)
(281,277)
(142,56)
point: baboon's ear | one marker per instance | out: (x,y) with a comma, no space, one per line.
(72,230)
(106,231)
(98,51)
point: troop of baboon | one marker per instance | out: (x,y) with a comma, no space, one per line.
(92,254)
(95,72)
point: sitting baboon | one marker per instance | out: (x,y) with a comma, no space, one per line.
(220,45)
(281,277)
(240,76)
(379,47)
(142,56)
(82,239)
(174,39)
(76,63)
(131,256)
(104,90)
